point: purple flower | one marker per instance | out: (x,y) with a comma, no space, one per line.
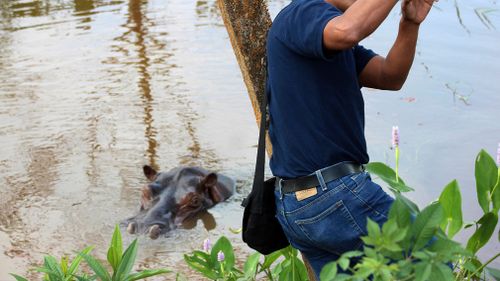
(207,245)
(220,256)
(395,136)
(498,154)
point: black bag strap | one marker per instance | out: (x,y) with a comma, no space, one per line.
(258,179)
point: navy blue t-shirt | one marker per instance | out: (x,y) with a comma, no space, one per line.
(315,103)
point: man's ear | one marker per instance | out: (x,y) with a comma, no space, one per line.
(149,172)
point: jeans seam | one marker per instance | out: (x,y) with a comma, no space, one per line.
(366,203)
(346,213)
(353,221)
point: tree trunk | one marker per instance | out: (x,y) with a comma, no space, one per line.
(247,23)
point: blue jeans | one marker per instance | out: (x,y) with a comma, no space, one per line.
(331,222)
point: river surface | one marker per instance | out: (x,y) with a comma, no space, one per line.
(91,90)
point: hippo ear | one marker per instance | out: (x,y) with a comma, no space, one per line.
(209,181)
(149,172)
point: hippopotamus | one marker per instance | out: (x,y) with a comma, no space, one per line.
(172,198)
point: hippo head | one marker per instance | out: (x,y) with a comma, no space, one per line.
(174,197)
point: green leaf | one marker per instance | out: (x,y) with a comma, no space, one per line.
(388,175)
(202,267)
(250,267)
(328,272)
(97,267)
(422,271)
(441,272)
(412,207)
(76,262)
(425,225)
(146,273)
(64,265)
(373,228)
(448,247)
(127,261)
(483,234)
(486,172)
(115,250)
(299,271)
(270,259)
(224,245)
(51,263)
(495,273)
(451,201)
(18,278)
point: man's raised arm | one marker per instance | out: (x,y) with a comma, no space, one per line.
(390,73)
(358,21)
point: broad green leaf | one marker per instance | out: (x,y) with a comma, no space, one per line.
(412,207)
(447,247)
(250,267)
(388,175)
(76,262)
(127,261)
(201,266)
(495,273)
(225,246)
(18,278)
(373,228)
(451,201)
(146,273)
(299,271)
(270,259)
(486,172)
(425,225)
(115,250)
(97,267)
(328,272)
(345,277)
(441,272)
(483,234)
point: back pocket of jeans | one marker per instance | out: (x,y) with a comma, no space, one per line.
(334,229)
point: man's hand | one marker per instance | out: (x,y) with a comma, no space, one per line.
(415,11)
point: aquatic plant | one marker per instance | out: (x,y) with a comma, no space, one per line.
(280,265)
(121,263)
(412,244)
(60,271)
(418,245)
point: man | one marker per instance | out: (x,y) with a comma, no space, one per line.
(315,71)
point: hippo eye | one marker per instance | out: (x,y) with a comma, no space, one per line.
(157,176)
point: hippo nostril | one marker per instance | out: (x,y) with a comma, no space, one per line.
(132,228)
(154,231)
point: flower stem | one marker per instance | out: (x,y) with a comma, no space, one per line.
(397,163)
(485,264)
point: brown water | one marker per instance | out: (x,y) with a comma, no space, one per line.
(92,90)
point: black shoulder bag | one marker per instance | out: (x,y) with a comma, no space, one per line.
(261,229)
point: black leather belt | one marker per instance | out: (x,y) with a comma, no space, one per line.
(329,173)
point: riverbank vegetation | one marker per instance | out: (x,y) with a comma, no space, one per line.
(413,244)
